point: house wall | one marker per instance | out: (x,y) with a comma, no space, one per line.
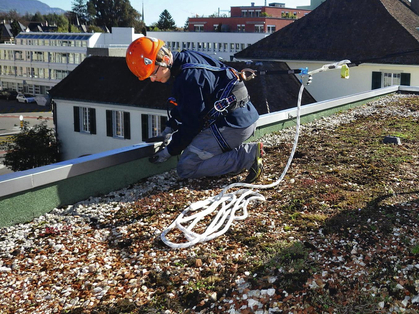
(120,36)
(328,85)
(76,144)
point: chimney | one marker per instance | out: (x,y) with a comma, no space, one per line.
(414,5)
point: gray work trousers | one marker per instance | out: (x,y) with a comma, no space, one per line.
(204,157)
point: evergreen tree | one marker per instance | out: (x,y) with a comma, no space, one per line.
(15,28)
(166,22)
(80,9)
(38,17)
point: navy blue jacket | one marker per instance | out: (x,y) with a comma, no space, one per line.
(195,91)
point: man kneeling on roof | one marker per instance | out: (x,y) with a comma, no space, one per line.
(213,115)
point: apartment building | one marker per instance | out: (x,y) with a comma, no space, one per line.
(249,19)
(218,45)
(37,61)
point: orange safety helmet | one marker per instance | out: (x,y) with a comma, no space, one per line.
(141,56)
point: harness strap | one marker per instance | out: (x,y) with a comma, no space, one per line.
(203,66)
(227,99)
(220,138)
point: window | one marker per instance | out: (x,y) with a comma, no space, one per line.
(38,56)
(152,125)
(240,28)
(384,79)
(64,58)
(258,28)
(61,74)
(84,120)
(198,28)
(271,29)
(391,79)
(18,55)
(216,27)
(118,124)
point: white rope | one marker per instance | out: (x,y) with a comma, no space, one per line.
(229,207)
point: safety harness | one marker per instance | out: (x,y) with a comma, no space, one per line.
(234,96)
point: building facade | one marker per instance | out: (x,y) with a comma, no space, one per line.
(218,45)
(36,61)
(249,19)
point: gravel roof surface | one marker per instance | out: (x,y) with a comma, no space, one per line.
(340,234)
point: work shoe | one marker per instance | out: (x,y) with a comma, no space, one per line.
(257,168)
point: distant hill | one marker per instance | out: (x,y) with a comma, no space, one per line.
(28,6)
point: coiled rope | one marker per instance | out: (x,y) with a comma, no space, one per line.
(230,206)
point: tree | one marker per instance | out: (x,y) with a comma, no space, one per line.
(166,22)
(31,148)
(38,17)
(186,26)
(10,16)
(114,13)
(80,10)
(60,20)
(15,28)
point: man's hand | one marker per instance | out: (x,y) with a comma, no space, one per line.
(160,157)
(167,135)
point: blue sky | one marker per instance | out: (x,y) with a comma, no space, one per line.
(182,9)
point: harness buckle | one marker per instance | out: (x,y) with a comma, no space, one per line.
(224,103)
(219,105)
